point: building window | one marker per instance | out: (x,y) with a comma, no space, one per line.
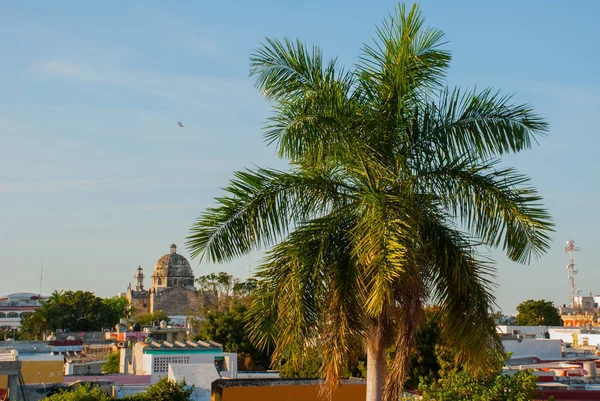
(175,282)
(161,364)
(159,281)
(12,314)
(2,315)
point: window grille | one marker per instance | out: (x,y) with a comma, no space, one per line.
(161,364)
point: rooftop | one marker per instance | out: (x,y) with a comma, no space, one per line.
(184,345)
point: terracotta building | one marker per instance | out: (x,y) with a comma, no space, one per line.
(172,287)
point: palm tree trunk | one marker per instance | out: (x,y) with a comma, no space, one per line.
(376,367)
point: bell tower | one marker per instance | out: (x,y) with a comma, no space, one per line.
(139,279)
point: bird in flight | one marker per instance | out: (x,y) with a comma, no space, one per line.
(180,124)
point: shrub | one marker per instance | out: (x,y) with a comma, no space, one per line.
(80,393)
(463,386)
(164,390)
(112,363)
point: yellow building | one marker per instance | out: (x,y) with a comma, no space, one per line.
(39,368)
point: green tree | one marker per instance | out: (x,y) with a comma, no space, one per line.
(112,363)
(503,319)
(394,181)
(222,285)
(118,307)
(164,390)
(537,313)
(242,290)
(424,359)
(80,393)
(464,386)
(148,319)
(229,329)
(307,367)
(76,311)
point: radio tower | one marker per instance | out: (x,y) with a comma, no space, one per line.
(571,269)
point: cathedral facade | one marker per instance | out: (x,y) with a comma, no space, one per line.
(171,290)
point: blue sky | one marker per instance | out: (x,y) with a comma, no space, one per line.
(96,178)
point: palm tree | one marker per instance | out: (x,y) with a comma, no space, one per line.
(393,188)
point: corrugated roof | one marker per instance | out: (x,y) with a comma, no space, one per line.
(166,345)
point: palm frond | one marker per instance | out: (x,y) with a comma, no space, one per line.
(486,123)
(497,205)
(282,69)
(462,288)
(258,210)
(410,294)
(405,61)
(315,289)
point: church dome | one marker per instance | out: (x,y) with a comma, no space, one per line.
(172,270)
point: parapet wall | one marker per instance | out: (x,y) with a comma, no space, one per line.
(283,389)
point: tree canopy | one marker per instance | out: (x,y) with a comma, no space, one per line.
(163,390)
(76,311)
(394,181)
(537,313)
(229,329)
(148,319)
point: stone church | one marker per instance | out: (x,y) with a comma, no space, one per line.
(172,288)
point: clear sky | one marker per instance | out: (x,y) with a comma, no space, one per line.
(96,178)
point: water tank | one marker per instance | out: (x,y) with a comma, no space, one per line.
(589,369)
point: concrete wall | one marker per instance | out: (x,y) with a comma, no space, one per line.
(128,380)
(200,376)
(88,368)
(544,349)
(258,375)
(277,390)
(537,330)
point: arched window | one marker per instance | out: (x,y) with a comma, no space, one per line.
(175,282)
(2,315)
(159,281)
(12,314)
(25,314)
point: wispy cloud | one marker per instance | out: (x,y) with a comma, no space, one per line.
(186,88)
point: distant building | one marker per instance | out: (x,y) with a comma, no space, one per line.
(153,358)
(171,290)
(15,306)
(583,312)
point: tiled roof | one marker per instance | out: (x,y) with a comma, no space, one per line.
(166,345)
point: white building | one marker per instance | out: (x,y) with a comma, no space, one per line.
(153,358)
(15,306)
(537,331)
